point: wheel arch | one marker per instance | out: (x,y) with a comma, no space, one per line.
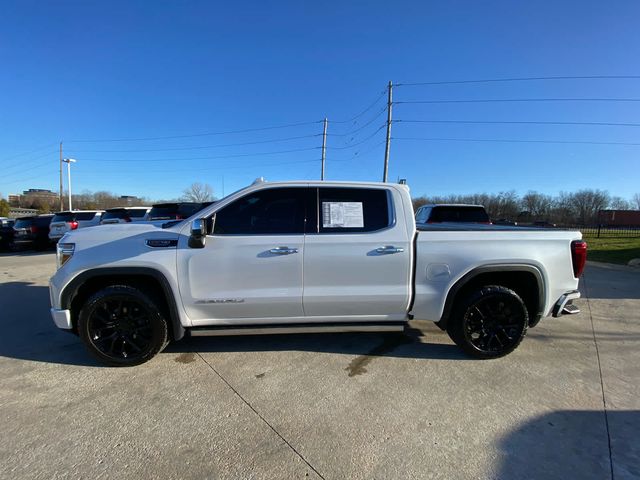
(519,277)
(88,282)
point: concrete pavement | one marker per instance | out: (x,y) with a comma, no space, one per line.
(324,406)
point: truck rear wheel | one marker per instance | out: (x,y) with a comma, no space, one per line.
(122,326)
(489,322)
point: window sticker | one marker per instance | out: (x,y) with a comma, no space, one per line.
(342,215)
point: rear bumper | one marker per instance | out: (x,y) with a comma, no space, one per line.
(62,318)
(564,305)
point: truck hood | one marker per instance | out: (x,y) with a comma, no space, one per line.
(101,234)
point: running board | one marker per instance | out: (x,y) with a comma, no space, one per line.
(296,328)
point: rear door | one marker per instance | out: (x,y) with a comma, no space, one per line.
(251,265)
(357,261)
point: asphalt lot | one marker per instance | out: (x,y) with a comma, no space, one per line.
(355,406)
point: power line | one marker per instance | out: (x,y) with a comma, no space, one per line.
(135,160)
(524,79)
(361,127)
(572,142)
(275,140)
(380,96)
(361,142)
(20,167)
(498,100)
(228,132)
(360,153)
(516,122)
(33,177)
(29,152)
(201,169)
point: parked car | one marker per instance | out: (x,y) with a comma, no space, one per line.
(125,215)
(505,221)
(64,222)
(175,211)
(457,213)
(6,232)
(544,224)
(32,232)
(309,257)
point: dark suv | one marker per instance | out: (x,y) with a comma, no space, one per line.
(175,211)
(6,232)
(452,213)
(32,232)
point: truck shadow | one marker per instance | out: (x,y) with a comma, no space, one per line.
(572,444)
(610,282)
(28,333)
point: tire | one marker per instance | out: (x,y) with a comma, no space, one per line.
(489,322)
(122,326)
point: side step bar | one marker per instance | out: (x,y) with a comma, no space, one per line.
(297,328)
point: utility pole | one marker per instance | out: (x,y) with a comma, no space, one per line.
(61,201)
(324,148)
(388,145)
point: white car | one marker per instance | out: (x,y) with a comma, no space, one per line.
(125,215)
(309,257)
(64,222)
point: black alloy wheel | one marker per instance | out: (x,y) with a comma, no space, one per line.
(489,322)
(122,326)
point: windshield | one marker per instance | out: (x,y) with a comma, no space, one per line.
(23,223)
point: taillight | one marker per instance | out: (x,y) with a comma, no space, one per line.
(73,225)
(34,229)
(578,256)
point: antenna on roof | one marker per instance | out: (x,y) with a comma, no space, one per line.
(258,181)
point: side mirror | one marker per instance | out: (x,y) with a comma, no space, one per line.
(198,235)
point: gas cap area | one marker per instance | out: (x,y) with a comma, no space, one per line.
(438,272)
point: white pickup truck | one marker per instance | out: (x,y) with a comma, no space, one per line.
(309,257)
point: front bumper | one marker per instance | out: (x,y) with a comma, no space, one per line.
(62,318)
(564,305)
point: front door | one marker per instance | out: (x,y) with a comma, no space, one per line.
(251,265)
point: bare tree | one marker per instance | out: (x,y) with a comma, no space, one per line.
(619,203)
(636,201)
(537,205)
(198,192)
(587,203)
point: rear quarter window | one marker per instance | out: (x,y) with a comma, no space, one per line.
(353,210)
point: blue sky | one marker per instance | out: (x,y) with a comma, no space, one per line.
(75,71)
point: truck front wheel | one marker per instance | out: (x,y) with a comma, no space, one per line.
(122,326)
(488,322)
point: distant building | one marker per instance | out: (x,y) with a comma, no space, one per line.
(40,192)
(619,218)
(129,199)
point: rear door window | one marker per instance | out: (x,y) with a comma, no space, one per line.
(353,210)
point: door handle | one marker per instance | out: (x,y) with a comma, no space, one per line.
(389,249)
(283,250)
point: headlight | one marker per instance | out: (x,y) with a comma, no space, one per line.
(64,251)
